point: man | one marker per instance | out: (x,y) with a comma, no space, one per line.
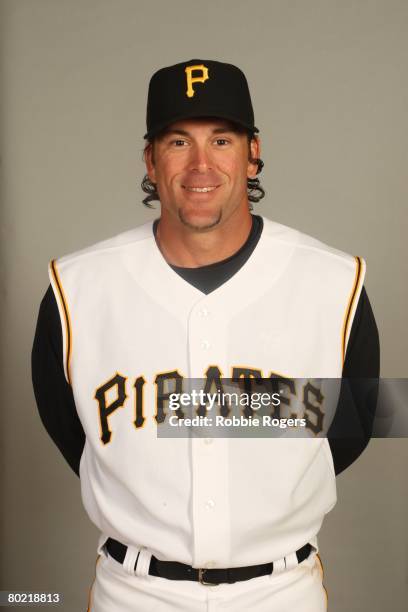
(207,291)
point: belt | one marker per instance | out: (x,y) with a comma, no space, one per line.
(172,570)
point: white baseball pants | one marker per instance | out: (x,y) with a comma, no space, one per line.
(299,589)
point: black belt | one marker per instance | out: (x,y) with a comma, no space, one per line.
(172,570)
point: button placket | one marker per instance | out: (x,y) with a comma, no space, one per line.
(210,471)
(211,519)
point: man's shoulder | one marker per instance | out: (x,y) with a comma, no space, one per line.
(305,245)
(109,246)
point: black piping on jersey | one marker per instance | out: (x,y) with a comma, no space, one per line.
(66,316)
(350,305)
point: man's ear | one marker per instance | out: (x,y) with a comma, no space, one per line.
(149,161)
(255,151)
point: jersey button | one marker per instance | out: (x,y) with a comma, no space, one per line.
(208,440)
(209,504)
(205,344)
(203,312)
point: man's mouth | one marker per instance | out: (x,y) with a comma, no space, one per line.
(200,189)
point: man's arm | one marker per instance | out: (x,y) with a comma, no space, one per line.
(351,428)
(53,394)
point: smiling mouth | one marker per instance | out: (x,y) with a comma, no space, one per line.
(200,189)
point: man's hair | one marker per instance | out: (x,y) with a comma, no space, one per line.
(255,190)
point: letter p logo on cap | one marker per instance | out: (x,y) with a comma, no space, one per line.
(197,79)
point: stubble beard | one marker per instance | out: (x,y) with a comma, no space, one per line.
(200,227)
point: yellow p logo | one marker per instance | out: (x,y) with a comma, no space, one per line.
(197,79)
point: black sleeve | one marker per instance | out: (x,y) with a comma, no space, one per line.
(53,393)
(351,428)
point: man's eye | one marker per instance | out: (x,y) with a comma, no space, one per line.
(179,142)
(221,141)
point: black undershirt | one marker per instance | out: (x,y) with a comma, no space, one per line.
(210,277)
(55,399)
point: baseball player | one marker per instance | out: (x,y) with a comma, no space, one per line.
(207,291)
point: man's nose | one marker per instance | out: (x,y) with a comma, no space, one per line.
(200,159)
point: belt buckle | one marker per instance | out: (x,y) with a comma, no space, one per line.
(201,578)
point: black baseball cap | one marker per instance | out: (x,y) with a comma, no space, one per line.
(198,88)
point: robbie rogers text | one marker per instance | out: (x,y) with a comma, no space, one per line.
(235,421)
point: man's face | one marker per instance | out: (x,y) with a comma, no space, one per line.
(201,167)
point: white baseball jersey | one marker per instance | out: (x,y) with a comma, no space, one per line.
(132,325)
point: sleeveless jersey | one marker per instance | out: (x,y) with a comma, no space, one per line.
(132,328)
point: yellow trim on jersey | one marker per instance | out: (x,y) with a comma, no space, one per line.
(92,586)
(322,573)
(350,305)
(67,318)
(321,565)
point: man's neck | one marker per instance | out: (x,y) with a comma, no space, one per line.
(181,246)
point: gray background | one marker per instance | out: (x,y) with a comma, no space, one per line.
(329,86)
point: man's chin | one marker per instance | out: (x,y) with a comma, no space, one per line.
(200,223)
